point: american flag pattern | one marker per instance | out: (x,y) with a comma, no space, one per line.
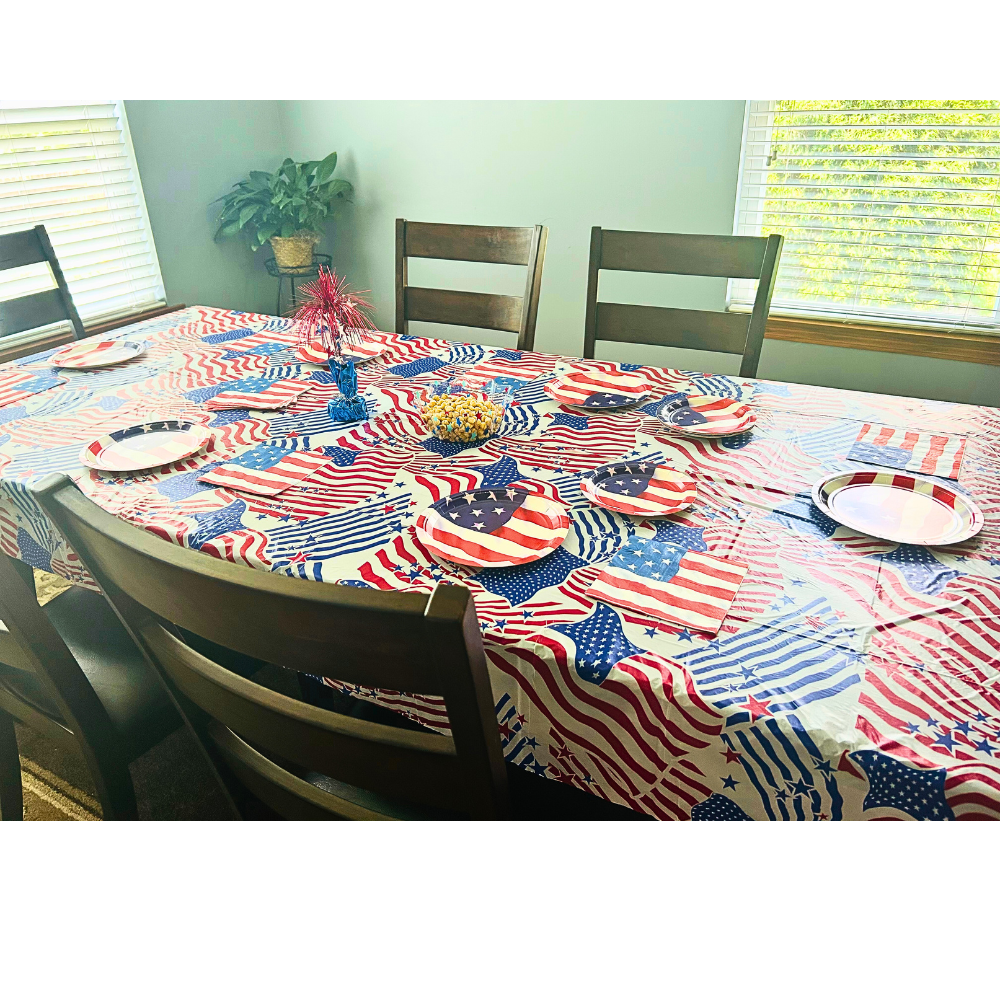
(852,678)
(259,394)
(267,470)
(705,416)
(493,528)
(599,389)
(146,446)
(17,384)
(360,352)
(640,489)
(672,583)
(913,450)
(104,352)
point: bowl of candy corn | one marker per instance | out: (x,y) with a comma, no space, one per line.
(455,411)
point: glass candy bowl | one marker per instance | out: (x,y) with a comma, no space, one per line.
(458,412)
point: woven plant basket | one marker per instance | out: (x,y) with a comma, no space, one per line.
(294,251)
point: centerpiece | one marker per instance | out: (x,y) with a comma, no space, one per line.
(336,319)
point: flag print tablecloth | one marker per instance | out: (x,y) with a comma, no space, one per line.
(850,679)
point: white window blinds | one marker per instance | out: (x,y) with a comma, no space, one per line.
(72,168)
(889,209)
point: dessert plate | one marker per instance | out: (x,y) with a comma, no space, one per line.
(360,353)
(639,489)
(596,390)
(501,527)
(705,416)
(104,352)
(913,510)
(145,446)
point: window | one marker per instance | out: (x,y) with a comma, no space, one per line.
(890,209)
(72,168)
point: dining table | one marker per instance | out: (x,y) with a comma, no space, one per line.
(851,677)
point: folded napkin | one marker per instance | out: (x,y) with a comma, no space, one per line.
(914,451)
(670,582)
(266,470)
(16,384)
(259,394)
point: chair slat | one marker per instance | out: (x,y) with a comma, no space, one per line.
(690,328)
(477,309)
(32,311)
(403,763)
(682,253)
(20,250)
(485,244)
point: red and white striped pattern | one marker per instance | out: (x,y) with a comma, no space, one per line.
(668,492)
(534,530)
(358,351)
(724,417)
(88,354)
(574,388)
(288,471)
(698,596)
(276,397)
(933,454)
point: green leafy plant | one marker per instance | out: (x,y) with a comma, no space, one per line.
(296,198)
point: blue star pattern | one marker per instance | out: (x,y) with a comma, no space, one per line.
(600,643)
(893,784)
(720,808)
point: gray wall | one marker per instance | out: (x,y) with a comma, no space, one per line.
(190,152)
(657,165)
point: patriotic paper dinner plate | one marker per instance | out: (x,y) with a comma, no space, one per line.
(596,390)
(640,489)
(705,416)
(898,507)
(359,353)
(105,352)
(502,527)
(145,446)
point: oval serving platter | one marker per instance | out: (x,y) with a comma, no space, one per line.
(105,352)
(897,507)
(145,446)
(493,528)
(639,489)
(595,390)
(706,416)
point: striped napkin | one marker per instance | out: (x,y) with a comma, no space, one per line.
(670,582)
(17,384)
(259,393)
(914,451)
(266,470)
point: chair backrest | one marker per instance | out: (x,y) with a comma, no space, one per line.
(31,644)
(485,244)
(32,246)
(680,253)
(376,639)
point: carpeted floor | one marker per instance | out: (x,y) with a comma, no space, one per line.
(172,781)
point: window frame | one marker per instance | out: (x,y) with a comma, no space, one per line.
(859,331)
(31,341)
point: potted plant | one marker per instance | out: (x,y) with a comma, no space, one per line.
(286,208)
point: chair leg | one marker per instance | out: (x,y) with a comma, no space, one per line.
(11,795)
(113,781)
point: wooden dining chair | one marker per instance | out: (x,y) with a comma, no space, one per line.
(29,312)
(485,244)
(754,257)
(71,672)
(301,760)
